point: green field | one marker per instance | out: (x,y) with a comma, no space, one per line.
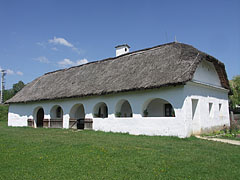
(27,153)
(3,112)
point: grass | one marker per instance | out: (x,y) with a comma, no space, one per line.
(3,112)
(27,153)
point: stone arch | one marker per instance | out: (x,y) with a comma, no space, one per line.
(77,112)
(38,115)
(56,112)
(157,107)
(123,109)
(56,115)
(100,110)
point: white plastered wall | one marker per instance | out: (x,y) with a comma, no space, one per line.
(206,73)
(205,121)
(169,126)
(180,98)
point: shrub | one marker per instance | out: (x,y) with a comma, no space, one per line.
(145,113)
(118,114)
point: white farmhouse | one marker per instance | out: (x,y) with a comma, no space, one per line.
(170,90)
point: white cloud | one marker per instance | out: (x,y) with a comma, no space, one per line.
(81,61)
(42,44)
(19,73)
(9,72)
(60,41)
(54,49)
(42,59)
(67,62)
(64,42)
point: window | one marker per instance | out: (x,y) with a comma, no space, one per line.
(220,107)
(169,112)
(125,49)
(210,107)
(194,107)
(59,112)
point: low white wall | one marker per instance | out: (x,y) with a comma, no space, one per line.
(170,126)
(164,126)
(183,125)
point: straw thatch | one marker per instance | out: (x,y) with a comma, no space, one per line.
(164,65)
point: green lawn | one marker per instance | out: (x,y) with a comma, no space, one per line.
(3,112)
(27,153)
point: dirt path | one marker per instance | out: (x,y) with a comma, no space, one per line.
(229,141)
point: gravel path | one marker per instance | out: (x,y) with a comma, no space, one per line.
(229,141)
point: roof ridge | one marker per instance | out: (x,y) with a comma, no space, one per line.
(113,58)
(148,68)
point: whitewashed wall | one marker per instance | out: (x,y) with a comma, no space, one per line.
(204,121)
(180,97)
(174,126)
(207,73)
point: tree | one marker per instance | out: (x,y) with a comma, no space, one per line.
(235,88)
(9,93)
(17,87)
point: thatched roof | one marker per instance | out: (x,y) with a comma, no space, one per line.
(164,65)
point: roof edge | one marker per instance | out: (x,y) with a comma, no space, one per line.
(103,93)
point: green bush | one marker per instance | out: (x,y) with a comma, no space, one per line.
(118,114)
(234,128)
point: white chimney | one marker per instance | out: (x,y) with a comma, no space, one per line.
(122,49)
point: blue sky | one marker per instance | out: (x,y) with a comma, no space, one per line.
(42,36)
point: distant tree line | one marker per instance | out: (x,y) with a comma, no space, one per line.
(9,93)
(235,88)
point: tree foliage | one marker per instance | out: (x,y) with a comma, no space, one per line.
(9,93)
(235,87)
(17,87)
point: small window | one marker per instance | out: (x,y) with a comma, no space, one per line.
(125,49)
(99,112)
(210,107)
(169,112)
(59,112)
(220,107)
(194,107)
